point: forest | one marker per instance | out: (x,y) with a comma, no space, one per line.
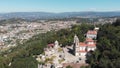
(23,56)
(107,54)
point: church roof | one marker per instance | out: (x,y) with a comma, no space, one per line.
(91,45)
(83,51)
(82,44)
(89,40)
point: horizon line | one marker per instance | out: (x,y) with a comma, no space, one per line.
(56,12)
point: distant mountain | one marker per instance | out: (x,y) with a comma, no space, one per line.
(47,15)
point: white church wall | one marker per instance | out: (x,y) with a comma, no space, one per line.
(90,42)
(80,48)
(83,48)
(77,54)
(83,53)
(91,35)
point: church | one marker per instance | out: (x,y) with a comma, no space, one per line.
(81,48)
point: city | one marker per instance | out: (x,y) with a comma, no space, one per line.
(59,34)
(11,33)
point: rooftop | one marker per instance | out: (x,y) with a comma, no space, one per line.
(82,44)
(89,40)
(92,32)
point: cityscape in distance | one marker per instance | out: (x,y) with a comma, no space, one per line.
(59,34)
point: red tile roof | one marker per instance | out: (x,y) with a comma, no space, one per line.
(92,32)
(50,45)
(91,45)
(89,40)
(82,44)
(82,51)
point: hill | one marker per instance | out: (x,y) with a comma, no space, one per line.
(107,54)
(47,15)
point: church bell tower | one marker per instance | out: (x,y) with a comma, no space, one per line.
(76,46)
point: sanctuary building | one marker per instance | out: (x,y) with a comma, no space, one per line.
(81,48)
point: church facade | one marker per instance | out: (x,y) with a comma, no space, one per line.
(81,48)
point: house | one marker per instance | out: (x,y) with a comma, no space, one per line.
(91,34)
(54,45)
(96,28)
(82,48)
(91,44)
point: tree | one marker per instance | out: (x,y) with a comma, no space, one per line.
(117,23)
(107,54)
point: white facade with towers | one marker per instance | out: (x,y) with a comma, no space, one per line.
(81,48)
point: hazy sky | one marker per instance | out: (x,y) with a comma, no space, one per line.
(58,5)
